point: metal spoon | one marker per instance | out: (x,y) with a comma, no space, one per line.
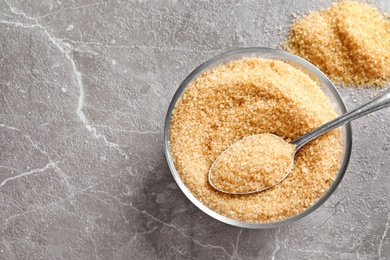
(379,102)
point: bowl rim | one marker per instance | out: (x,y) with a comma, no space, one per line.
(284,56)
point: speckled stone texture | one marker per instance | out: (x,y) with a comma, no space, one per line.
(84,88)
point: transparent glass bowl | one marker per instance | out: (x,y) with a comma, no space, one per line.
(273,54)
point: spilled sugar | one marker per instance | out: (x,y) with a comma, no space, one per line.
(349,42)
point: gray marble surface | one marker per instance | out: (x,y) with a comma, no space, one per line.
(84,88)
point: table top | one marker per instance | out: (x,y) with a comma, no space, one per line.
(84,89)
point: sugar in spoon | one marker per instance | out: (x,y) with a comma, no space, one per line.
(261,161)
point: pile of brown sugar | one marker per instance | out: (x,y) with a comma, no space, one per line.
(349,42)
(246,97)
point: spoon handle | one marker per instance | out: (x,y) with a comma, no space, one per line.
(379,102)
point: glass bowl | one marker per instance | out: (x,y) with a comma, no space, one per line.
(266,53)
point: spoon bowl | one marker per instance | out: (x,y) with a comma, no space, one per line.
(249,165)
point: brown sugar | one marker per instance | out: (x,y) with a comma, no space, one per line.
(349,42)
(247,97)
(252,164)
